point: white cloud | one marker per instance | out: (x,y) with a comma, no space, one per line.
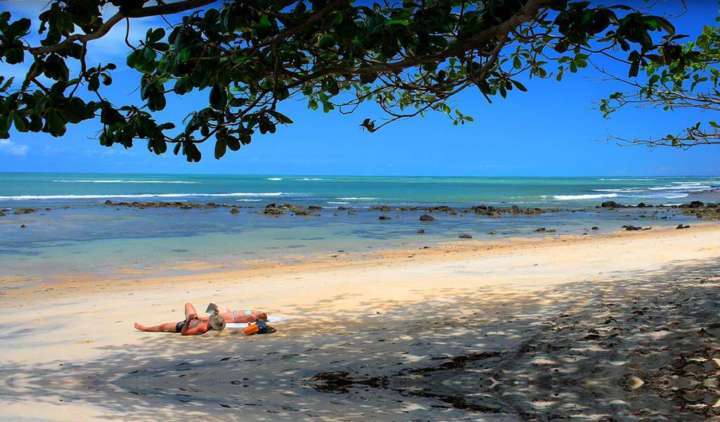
(9,147)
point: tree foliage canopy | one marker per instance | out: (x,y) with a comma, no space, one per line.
(408,57)
(687,77)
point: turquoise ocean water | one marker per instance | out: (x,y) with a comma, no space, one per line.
(73,231)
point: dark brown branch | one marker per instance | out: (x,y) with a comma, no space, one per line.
(168,9)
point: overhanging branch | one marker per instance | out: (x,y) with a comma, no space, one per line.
(163,9)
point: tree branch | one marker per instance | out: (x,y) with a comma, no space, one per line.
(110,23)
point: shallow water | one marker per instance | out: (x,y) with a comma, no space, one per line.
(80,234)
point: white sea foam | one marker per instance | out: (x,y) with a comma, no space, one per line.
(310,179)
(338,202)
(358,198)
(696,182)
(624,179)
(123,181)
(684,186)
(143,195)
(275,179)
(624,190)
(581,197)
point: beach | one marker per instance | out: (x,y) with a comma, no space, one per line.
(621,323)
(280,211)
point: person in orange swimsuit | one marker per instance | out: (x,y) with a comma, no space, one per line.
(194,324)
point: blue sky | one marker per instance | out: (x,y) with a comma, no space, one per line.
(554,129)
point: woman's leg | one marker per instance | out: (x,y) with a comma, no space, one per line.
(243,316)
(168,327)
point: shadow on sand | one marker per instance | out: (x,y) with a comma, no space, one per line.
(639,345)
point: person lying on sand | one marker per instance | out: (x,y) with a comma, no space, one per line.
(193,324)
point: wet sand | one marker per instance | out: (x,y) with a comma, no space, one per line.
(618,324)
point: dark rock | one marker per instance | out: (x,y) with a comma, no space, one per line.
(629,227)
(540,229)
(426,217)
(594,228)
(273,209)
(384,217)
(682,226)
(486,210)
(701,211)
(314,208)
(382,208)
(421,231)
(234,211)
(693,204)
(167,204)
(441,208)
(611,204)
(25,210)
(22,226)
(644,205)
(2,214)
(465,236)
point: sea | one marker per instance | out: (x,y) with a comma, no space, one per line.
(72,231)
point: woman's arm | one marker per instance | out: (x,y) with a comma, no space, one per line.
(190,312)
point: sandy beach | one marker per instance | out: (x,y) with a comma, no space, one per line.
(590,326)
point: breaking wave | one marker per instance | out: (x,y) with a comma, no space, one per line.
(144,195)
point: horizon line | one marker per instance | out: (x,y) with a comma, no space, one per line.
(355,175)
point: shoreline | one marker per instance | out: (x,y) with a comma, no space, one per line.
(441,251)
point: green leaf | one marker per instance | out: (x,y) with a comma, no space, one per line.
(19,28)
(280,117)
(220,148)
(263,26)
(634,68)
(519,86)
(233,143)
(326,40)
(134,58)
(14,55)
(157,145)
(218,97)
(397,22)
(20,122)
(54,123)
(192,153)
(155,35)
